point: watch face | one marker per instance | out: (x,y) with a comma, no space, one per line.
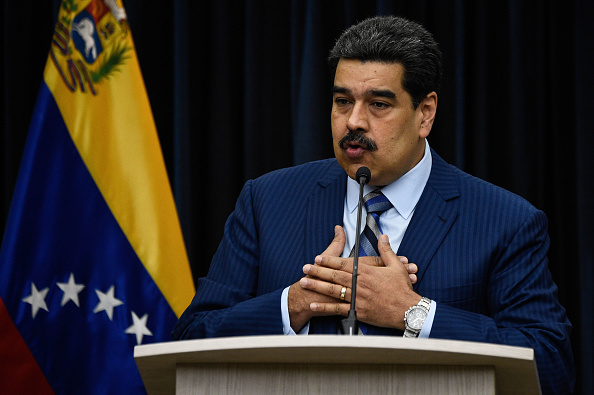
(415,318)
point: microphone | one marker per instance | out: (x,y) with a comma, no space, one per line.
(349,324)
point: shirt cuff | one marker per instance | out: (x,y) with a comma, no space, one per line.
(287,330)
(428,324)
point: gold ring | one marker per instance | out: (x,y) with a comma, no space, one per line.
(343,293)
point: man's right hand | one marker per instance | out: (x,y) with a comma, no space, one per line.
(300,299)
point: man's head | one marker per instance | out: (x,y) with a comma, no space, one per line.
(386,74)
(390,39)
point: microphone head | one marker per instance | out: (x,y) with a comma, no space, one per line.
(363,175)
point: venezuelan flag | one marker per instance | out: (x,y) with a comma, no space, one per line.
(93,260)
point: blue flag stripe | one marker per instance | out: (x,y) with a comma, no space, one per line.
(60,225)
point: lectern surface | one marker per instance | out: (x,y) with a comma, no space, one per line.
(514,367)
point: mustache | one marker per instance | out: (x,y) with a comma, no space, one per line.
(358,139)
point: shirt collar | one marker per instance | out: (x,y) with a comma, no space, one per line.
(404,193)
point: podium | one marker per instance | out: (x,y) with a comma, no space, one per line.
(326,364)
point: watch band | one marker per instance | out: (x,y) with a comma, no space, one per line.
(424,304)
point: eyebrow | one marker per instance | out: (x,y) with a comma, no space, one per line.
(373,92)
(382,93)
(338,89)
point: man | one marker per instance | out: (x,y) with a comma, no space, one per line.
(481,251)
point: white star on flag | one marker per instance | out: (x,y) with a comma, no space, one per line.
(71,290)
(36,299)
(139,327)
(107,302)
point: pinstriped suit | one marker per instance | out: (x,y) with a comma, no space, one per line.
(481,253)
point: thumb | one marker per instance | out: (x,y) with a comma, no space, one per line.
(337,245)
(388,256)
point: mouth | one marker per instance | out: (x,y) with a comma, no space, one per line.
(355,145)
(353,150)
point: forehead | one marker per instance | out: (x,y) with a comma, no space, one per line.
(361,77)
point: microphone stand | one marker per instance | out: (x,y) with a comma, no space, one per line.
(349,325)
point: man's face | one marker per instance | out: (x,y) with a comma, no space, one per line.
(374,123)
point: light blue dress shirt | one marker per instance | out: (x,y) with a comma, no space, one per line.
(404,195)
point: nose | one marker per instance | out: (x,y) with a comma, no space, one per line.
(357,120)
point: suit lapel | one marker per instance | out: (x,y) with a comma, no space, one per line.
(434,215)
(324,210)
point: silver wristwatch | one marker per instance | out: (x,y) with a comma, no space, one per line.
(415,317)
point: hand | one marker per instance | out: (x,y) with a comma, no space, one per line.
(411,268)
(384,287)
(301,298)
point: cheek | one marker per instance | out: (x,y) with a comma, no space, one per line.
(335,119)
(391,148)
(337,127)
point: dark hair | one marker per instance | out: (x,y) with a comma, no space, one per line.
(390,39)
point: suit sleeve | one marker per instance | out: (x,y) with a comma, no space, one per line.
(227,301)
(522,308)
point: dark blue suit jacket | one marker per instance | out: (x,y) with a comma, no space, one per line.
(481,253)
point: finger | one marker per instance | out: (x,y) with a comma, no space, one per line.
(374,261)
(337,245)
(330,308)
(392,260)
(411,268)
(388,256)
(340,277)
(336,291)
(299,301)
(336,263)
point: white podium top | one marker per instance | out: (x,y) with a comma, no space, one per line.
(515,368)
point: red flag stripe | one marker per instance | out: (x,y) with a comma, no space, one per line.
(19,371)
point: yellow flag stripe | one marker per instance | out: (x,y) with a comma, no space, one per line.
(115,134)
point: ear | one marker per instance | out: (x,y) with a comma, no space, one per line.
(428,109)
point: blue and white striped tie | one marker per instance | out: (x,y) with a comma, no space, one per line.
(375,204)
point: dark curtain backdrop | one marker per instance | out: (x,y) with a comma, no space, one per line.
(240,88)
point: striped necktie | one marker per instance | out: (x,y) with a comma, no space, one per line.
(375,204)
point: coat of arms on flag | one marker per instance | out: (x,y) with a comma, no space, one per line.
(93,261)
(89,42)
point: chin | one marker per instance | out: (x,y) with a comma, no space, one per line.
(349,167)
(352,171)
